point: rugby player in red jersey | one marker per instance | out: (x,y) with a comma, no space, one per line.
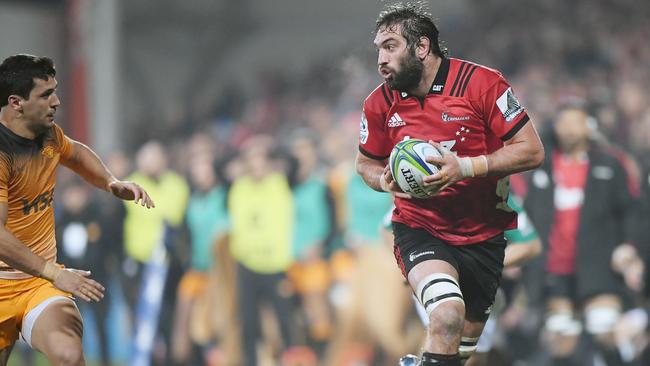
(450,246)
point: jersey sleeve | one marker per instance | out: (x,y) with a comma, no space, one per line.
(373,140)
(63,143)
(4,179)
(502,111)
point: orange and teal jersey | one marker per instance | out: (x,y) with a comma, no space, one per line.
(27,180)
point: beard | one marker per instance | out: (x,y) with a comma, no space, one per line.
(409,76)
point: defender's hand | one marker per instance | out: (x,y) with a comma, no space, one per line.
(388,184)
(78,284)
(130,191)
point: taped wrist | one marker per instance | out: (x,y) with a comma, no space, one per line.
(51,271)
(476,166)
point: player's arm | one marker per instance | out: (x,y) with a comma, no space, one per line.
(519,253)
(372,172)
(523,151)
(87,164)
(19,256)
(14,252)
(523,242)
(377,175)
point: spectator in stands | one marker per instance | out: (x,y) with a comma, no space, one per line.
(582,204)
(144,233)
(314,228)
(207,222)
(261,211)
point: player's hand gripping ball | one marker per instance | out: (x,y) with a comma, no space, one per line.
(408,166)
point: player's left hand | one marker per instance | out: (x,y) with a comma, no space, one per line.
(131,191)
(449,166)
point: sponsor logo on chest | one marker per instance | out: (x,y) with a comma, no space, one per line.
(448,117)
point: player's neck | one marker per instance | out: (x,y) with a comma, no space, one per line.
(17,126)
(431,67)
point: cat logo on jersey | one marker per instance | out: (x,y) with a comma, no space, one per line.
(48,151)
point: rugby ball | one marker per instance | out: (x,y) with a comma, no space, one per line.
(408,166)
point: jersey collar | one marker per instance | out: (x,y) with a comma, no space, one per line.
(13,136)
(438,85)
(441,77)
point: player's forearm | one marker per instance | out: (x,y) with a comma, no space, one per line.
(371,172)
(516,157)
(18,256)
(520,253)
(88,165)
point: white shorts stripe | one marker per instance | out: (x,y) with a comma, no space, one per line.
(30,319)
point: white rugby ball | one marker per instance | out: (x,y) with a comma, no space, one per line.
(408,166)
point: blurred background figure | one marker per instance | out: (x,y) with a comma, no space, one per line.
(583,202)
(207,221)
(261,211)
(315,226)
(369,291)
(83,244)
(144,234)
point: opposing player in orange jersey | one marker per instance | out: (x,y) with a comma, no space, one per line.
(36,294)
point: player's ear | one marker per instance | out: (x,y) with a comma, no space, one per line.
(423,48)
(15,102)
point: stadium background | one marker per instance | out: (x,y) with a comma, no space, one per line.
(132,71)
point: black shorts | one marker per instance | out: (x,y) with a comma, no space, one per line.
(479,265)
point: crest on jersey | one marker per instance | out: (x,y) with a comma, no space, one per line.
(48,151)
(363,129)
(509,105)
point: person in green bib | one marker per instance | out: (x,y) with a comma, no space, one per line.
(207,221)
(314,228)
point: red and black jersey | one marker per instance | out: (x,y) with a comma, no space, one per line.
(471,110)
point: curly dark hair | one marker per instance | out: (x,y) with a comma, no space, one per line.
(416,22)
(17,74)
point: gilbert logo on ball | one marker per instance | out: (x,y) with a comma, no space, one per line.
(408,166)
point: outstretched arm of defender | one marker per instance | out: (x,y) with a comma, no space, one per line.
(524,151)
(19,256)
(87,164)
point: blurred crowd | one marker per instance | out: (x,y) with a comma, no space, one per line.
(268,249)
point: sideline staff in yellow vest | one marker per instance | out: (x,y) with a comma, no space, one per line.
(260,206)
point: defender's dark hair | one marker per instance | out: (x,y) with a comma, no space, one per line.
(17,75)
(416,22)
